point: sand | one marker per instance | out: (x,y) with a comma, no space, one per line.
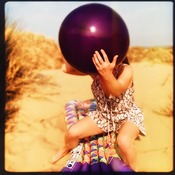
(40,126)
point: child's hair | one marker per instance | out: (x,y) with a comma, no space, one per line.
(126,61)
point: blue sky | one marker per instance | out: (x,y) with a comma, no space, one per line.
(150,23)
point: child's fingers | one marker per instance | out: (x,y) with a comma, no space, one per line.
(98,57)
(99,60)
(114,60)
(104,55)
(95,61)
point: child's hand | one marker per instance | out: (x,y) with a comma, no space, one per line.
(103,66)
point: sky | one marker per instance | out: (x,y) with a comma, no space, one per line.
(150,23)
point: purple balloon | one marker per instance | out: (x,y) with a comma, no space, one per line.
(92,27)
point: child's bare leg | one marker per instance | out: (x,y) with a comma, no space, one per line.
(83,128)
(68,145)
(126,136)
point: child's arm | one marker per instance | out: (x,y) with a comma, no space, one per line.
(111,85)
(67,68)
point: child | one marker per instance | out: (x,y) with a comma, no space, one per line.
(116,111)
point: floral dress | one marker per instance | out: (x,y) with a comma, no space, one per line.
(112,112)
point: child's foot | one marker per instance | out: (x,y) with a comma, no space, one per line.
(61,153)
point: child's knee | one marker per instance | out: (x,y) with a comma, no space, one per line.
(72,133)
(123,143)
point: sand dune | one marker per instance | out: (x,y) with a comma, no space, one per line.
(40,127)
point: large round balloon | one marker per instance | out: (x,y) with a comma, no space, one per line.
(89,28)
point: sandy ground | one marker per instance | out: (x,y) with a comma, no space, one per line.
(40,124)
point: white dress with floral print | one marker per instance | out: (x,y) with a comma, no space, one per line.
(112,111)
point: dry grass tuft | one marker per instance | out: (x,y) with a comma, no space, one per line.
(151,54)
(26,55)
(166,109)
